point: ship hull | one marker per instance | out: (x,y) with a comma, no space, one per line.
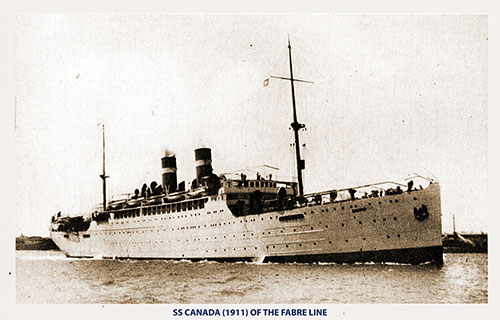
(378,229)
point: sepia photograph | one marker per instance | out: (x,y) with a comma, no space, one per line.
(251,159)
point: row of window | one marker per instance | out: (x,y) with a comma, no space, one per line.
(267,246)
(215,211)
(364,238)
(162,209)
(199,226)
(164,218)
(252,184)
(374,220)
(293,217)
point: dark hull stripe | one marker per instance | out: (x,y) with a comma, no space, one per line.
(410,256)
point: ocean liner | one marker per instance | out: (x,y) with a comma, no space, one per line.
(258,218)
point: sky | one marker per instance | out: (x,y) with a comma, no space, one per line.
(392,95)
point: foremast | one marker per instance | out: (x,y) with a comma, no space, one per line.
(103,175)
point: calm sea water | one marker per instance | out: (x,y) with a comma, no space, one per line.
(50,277)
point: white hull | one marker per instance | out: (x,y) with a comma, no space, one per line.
(328,231)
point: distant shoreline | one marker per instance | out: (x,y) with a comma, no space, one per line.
(462,243)
(35,243)
(452,243)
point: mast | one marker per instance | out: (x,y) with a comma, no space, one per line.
(454,231)
(296,126)
(103,175)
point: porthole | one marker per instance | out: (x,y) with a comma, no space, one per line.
(396,200)
(343,225)
(384,219)
(395,218)
(374,220)
(388,236)
(399,236)
(346,240)
(360,222)
(364,238)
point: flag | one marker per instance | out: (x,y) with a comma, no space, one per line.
(266,82)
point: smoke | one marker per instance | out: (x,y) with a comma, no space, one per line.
(169,153)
